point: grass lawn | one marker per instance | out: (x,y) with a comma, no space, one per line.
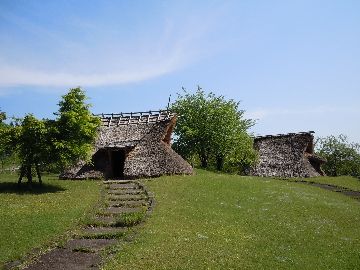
(343,181)
(216,221)
(32,219)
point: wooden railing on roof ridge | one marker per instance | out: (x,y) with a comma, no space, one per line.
(117,119)
(284,135)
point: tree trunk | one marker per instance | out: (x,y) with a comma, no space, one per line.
(28,174)
(219,162)
(22,174)
(38,172)
(204,161)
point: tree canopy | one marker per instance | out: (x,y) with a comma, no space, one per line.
(52,143)
(6,145)
(213,131)
(343,157)
(2,117)
(74,131)
(32,147)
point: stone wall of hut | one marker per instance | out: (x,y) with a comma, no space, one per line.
(289,155)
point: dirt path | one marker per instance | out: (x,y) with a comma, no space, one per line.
(126,205)
(345,191)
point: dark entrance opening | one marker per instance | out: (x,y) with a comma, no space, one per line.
(117,163)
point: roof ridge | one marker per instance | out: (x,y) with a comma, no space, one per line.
(135,113)
(135,118)
(283,135)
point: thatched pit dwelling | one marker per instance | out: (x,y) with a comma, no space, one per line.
(287,155)
(133,145)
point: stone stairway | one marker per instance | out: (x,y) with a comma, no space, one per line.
(125,204)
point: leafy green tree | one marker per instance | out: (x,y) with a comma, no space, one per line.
(343,158)
(3,128)
(74,131)
(212,130)
(56,143)
(33,149)
(7,142)
(5,150)
(2,117)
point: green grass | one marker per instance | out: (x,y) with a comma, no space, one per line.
(33,219)
(129,219)
(343,181)
(216,221)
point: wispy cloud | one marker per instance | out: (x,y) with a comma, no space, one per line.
(133,68)
(16,76)
(113,61)
(263,113)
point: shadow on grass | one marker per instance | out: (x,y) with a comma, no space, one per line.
(25,188)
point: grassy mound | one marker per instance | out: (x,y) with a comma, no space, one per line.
(32,218)
(216,221)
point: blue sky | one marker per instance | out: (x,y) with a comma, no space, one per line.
(294,65)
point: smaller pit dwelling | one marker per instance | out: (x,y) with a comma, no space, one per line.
(287,155)
(133,145)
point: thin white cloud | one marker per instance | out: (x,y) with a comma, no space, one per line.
(133,69)
(106,61)
(14,76)
(262,113)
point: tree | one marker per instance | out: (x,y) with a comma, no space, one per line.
(5,150)
(61,142)
(212,130)
(74,131)
(343,158)
(2,117)
(3,135)
(52,143)
(7,141)
(33,149)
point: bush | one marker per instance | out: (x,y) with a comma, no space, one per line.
(343,157)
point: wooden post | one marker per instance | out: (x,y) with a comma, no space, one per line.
(110,120)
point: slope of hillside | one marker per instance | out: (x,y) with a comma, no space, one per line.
(217,221)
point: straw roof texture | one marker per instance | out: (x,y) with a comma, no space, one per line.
(141,140)
(287,155)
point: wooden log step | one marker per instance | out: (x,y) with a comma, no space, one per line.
(122,210)
(126,197)
(89,244)
(118,181)
(103,232)
(64,258)
(102,221)
(128,203)
(124,186)
(125,191)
